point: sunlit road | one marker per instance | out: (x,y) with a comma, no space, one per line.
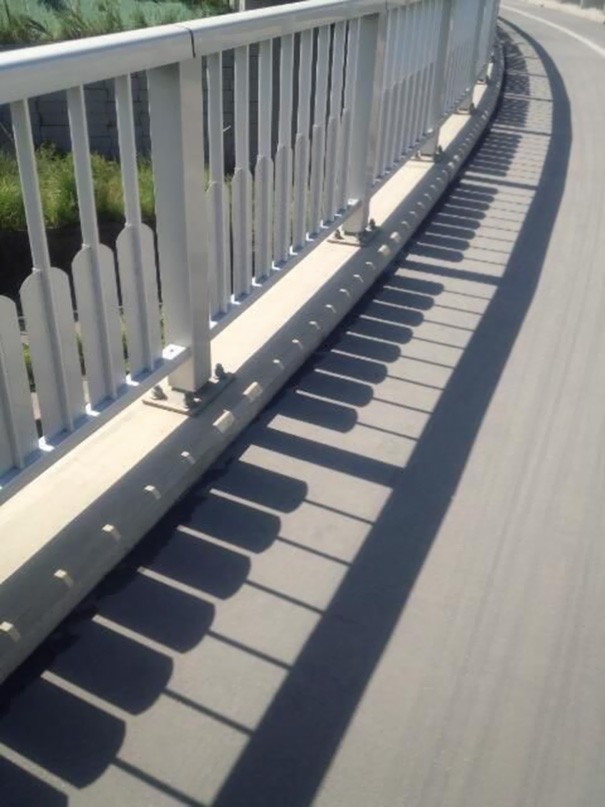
(392,592)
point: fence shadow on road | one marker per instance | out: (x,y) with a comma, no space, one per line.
(293,747)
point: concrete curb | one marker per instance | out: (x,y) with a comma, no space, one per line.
(42,592)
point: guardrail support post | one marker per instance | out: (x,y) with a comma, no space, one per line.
(365,118)
(437,100)
(467,103)
(177,143)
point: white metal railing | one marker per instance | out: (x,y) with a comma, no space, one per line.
(345,90)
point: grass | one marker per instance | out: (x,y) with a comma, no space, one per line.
(28,22)
(58,189)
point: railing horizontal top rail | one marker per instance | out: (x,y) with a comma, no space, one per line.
(244,28)
(34,71)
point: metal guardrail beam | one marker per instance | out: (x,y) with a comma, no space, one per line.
(33,71)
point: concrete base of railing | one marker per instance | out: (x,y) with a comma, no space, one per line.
(63,532)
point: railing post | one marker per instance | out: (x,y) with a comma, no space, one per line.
(365,118)
(467,103)
(437,99)
(177,143)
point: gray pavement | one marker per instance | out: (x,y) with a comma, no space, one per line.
(391,591)
(589,23)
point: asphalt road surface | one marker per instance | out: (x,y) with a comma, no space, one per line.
(391,593)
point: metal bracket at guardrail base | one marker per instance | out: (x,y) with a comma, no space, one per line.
(189,403)
(361,239)
(466,110)
(431,156)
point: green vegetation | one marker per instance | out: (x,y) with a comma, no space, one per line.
(27,22)
(58,189)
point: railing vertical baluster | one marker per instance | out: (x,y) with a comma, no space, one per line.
(263,174)
(415,82)
(241,186)
(464,60)
(465,42)
(457,55)
(450,55)
(177,124)
(491,33)
(412,78)
(318,140)
(417,70)
(436,101)
(481,56)
(391,150)
(409,24)
(473,55)
(30,185)
(333,130)
(18,435)
(301,149)
(487,38)
(401,143)
(218,200)
(393,133)
(465,53)
(362,155)
(386,106)
(432,56)
(283,156)
(347,112)
(425,36)
(411,93)
(136,249)
(94,273)
(46,300)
